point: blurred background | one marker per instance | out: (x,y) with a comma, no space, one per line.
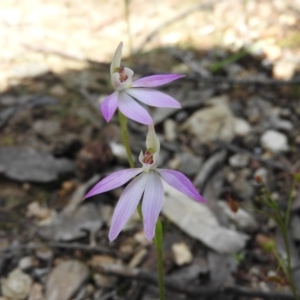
(239,125)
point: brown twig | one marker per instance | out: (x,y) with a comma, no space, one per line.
(144,275)
(53,244)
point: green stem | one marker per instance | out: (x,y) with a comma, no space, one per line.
(288,209)
(158,240)
(124,131)
(289,272)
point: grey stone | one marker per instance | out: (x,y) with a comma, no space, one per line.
(200,223)
(26,164)
(189,164)
(212,123)
(239,160)
(46,127)
(71,226)
(274,141)
(65,279)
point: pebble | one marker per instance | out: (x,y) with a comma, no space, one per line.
(26,262)
(36,292)
(46,128)
(284,69)
(182,254)
(272,52)
(188,163)
(104,281)
(118,151)
(242,186)
(244,220)
(261,173)
(274,141)
(17,285)
(239,160)
(138,258)
(241,127)
(65,279)
(170,130)
(212,123)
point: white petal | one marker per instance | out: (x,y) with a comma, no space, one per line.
(152,140)
(116,62)
(131,109)
(152,203)
(127,205)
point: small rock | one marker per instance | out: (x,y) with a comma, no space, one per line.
(188,163)
(272,52)
(199,222)
(98,260)
(67,227)
(284,69)
(44,253)
(239,160)
(242,187)
(262,173)
(104,281)
(138,258)
(35,210)
(31,165)
(212,123)
(191,272)
(17,285)
(46,128)
(119,151)
(26,262)
(170,130)
(241,218)
(274,141)
(57,90)
(65,279)
(182,254)
(241,127)
(36,292)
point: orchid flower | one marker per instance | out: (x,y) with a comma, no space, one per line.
(128,91)
(147,184)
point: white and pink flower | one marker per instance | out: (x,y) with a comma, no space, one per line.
(128,91)
(146,185)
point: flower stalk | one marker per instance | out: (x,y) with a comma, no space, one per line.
(158,241)
(125,138)
(146,184)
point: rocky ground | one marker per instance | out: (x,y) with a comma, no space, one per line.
(239,125)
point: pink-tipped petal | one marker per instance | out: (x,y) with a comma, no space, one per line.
(109,105)
(156,80)
(181,183)
(131,109)
(152,203)
(127,205)
(113,181)
(153,98)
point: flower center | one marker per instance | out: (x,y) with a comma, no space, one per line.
(122,75)
(148,158)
